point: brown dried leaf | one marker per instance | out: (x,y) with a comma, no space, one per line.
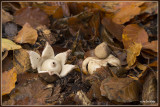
(27,35)
(55,11)
(6,17)
(8,81)
(134,33)
(120,89)
(9,45)
(115,29)
(132,52)
(21,61)
(149,92)
(31,92)
(149,7)
(46,33)
(153,64)
(121,56)
(126,13)
(33,16)
(151,45)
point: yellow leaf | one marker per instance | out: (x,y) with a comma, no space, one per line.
(27,35)
(132,52)
(8,81)
(9,45)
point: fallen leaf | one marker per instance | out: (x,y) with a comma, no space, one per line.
(6,17)
(46,33)
(116,6)
(149,92)
(55,11)
(134,33)
(9,45)
(115,29)
(149,7)
(126,13)
(31,92)
(27,35)
(121,56)
(120,89)
(21,61)
(151,45)
(132,52)
(33,16)
(141,66)
(8,81)
(76,8)
(81,98)
(153,64)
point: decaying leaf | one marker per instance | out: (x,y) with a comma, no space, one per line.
(9,45)
(149,7)
(27,35)
(115,29)
(126,13)
(116,6)
(21,61)
(8,81)
(149,92)
(6,16)
(33,16)
(132,52)
(55,11)
(151,45)
(46,33)
(81,98)
(120,89)
(32,93)
(134,33)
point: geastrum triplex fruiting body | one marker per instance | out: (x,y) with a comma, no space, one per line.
(103,57)
(51,64)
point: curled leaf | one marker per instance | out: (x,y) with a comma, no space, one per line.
(132,52)
(27,35)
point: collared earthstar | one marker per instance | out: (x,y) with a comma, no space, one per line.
(49,63)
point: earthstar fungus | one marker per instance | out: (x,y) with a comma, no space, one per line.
(49,63)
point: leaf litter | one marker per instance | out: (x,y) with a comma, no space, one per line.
(128,29)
